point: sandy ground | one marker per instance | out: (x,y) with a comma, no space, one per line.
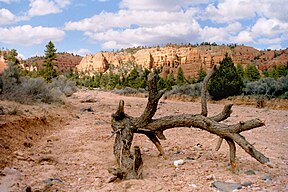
(71,149)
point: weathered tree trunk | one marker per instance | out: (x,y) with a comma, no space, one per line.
(124,126)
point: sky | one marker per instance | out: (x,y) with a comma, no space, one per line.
(90,26)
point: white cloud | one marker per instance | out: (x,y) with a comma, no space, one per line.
(45,7)
(81,52)
(277,46)
(126,18)
(174,32)
(6,17)
(230,10)
(158,5)
(8,1)
(242,38)
(27,35)
(269,27)
(269,40)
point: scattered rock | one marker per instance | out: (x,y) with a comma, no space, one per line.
(28,189)
(88,109)
(250,172)
(266,177)
(2,110)
(28,144)
(51,180)
(178,162)
(190,158)
(210,177)
(225,186)
(247,183)
(145,149)
(47,159)
(89,100)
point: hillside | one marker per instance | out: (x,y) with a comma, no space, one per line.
(64,61)
(190,58)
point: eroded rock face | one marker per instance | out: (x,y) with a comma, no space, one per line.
(191,59)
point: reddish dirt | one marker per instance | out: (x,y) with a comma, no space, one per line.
(74,150)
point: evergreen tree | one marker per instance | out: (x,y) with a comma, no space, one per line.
(49,72)
(201,75)
(252,73)
(281,71)
(240,70)
(226,81)
(161,84)
(170,81)
(180,77)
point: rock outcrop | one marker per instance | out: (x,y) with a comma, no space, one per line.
(191,59)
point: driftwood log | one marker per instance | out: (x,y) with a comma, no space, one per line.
(125,126)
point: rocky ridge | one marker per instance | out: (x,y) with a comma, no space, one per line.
(190,58)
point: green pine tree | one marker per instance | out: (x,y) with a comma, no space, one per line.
(252,73)
(201,75)
(226,81)
(170,81)
(49,72)
(240,70)
(180,77)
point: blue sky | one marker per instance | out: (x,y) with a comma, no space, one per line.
(89,26)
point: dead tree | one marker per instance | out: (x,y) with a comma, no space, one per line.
(124,126)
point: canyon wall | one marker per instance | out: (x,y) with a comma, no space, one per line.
(191,59)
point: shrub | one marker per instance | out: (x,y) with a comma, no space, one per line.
(190,90)
(268,87)
(67,87)
(35,89)
(129,91)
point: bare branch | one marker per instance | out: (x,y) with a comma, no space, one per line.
(204,90)
(247,125)
(242,142)
(153,99)
(232,149)
(224,114)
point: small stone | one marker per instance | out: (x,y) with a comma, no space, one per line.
(178,162)
(226,187)
(247,183)
(250,172)
(145,149)
(210,177)
(190,158)
(192,185)
(266,177)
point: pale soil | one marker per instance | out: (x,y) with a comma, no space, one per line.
(71,149)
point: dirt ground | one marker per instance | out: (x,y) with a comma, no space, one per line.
(69,148)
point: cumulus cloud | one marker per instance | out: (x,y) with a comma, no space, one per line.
(230,10)
(158,5)
(8,1)
(27,35)
(269,27)
(125,18)
(6,17)
(81,52)
(242,38)
(45,7)
(174,32)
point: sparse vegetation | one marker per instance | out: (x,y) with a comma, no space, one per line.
(24,89)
